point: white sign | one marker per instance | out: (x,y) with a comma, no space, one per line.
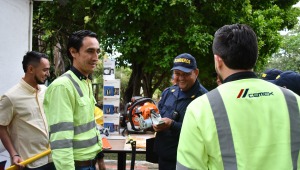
(108,69)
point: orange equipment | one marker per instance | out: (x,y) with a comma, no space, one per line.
(141,113)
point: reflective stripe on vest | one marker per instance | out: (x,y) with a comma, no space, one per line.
(76,85)
(65,126)
(225,135)
(223,129)
(68,126)
(84,128)
(179,166)
(68,143)
(294,125)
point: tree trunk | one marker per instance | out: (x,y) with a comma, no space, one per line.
(147,82)
(149,86)
(134,84)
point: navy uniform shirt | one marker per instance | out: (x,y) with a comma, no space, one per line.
(174,100)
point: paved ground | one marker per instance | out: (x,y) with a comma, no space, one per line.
(139,165)
(110,164)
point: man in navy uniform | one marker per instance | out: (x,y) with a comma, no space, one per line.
(172,108)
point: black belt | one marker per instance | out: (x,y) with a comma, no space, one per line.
(85,163)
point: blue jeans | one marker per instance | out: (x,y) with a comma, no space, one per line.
(85,167)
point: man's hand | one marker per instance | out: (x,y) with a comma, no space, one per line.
(163,126)
(16,161)
(7,143)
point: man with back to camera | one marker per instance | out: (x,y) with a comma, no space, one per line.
(69,107)
(172,107)
(245,123)
(23,126)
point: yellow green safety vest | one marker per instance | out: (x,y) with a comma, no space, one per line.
(69,107)
(247,124)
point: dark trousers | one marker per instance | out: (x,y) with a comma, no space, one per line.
(49,166)
(2,165)
(85,168)
(166,164)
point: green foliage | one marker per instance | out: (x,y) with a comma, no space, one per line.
(98,79)
(54,21)
(150,33)
(288,56)
(123,73)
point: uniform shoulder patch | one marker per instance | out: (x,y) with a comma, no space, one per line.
(166,89)
(174,88)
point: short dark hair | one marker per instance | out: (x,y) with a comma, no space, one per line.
(32,58)
(237,45)
(76,38)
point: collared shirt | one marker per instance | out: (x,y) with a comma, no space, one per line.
(240,75)
(80,75)
(21,109)
(69,107)
(174,100)
(83,77)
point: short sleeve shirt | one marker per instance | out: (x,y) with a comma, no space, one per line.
(21,110)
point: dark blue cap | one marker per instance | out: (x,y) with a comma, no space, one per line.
(289,80)
(271,74)
(184,62)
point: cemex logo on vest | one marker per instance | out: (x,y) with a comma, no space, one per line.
(244,93)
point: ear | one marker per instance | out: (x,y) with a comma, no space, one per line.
(73,51)
(30,69)
(218,61)
(196,72)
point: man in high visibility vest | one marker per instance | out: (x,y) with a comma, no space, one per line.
(245,123)
(69,107)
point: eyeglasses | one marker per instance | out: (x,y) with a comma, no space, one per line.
(183,74)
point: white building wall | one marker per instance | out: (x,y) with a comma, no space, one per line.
(14,43)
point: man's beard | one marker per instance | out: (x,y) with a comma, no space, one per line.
(219,76)
(38,81)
